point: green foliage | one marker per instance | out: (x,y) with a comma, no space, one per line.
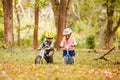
(119,43)
(1,34)
(1,13)
(26,27)
(118,33)
(80,43)
(90,41)
(41,3)
(78,26)
(26,42)
(2,44)
(85,12)
(38,3)
(42,38)
(1,10)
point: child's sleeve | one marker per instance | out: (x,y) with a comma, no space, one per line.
(52,45)
(41,46)
(62,42)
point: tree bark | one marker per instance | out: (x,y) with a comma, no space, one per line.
(67,14)
(18,21)
(109,33)
(101,37)
(55,7)
(8,22)
(61,22)
(90,20)
(110,28)
(62,19)
(35,40)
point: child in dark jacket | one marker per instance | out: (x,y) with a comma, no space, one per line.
(48,46)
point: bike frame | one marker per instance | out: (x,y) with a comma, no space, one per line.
(68,56)
(42,53)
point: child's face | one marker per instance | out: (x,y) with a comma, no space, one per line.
(67,36)
(49,39)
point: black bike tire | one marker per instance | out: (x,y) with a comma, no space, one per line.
(36,60)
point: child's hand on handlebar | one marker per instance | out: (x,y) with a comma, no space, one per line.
(47,48)
(72,45)
(38,48)
(61,46)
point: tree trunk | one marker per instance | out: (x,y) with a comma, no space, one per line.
(110,28)
(67,14)
(8,22)
(35,40)
(109,33)
(64,12)
(101,37)
(109,39)
(61,22)
(18,21)
(55,7)
(90,21)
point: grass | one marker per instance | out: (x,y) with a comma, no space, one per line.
(18,64)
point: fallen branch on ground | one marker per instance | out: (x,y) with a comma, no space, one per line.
(103,57)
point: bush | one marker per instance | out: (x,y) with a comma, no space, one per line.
(1,34)
(26,42)
(42,38)
(90,41)
(80,43)
(119,44)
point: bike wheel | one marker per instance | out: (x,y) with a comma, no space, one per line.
(38,60)
(66,60)
(51,60)
(71,60)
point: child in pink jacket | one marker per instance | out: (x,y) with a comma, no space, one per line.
(68,43)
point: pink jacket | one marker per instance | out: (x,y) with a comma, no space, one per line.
(68,44)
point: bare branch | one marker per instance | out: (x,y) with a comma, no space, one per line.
(103,56)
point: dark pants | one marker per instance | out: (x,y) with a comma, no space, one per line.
(49,58)
(71,52)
